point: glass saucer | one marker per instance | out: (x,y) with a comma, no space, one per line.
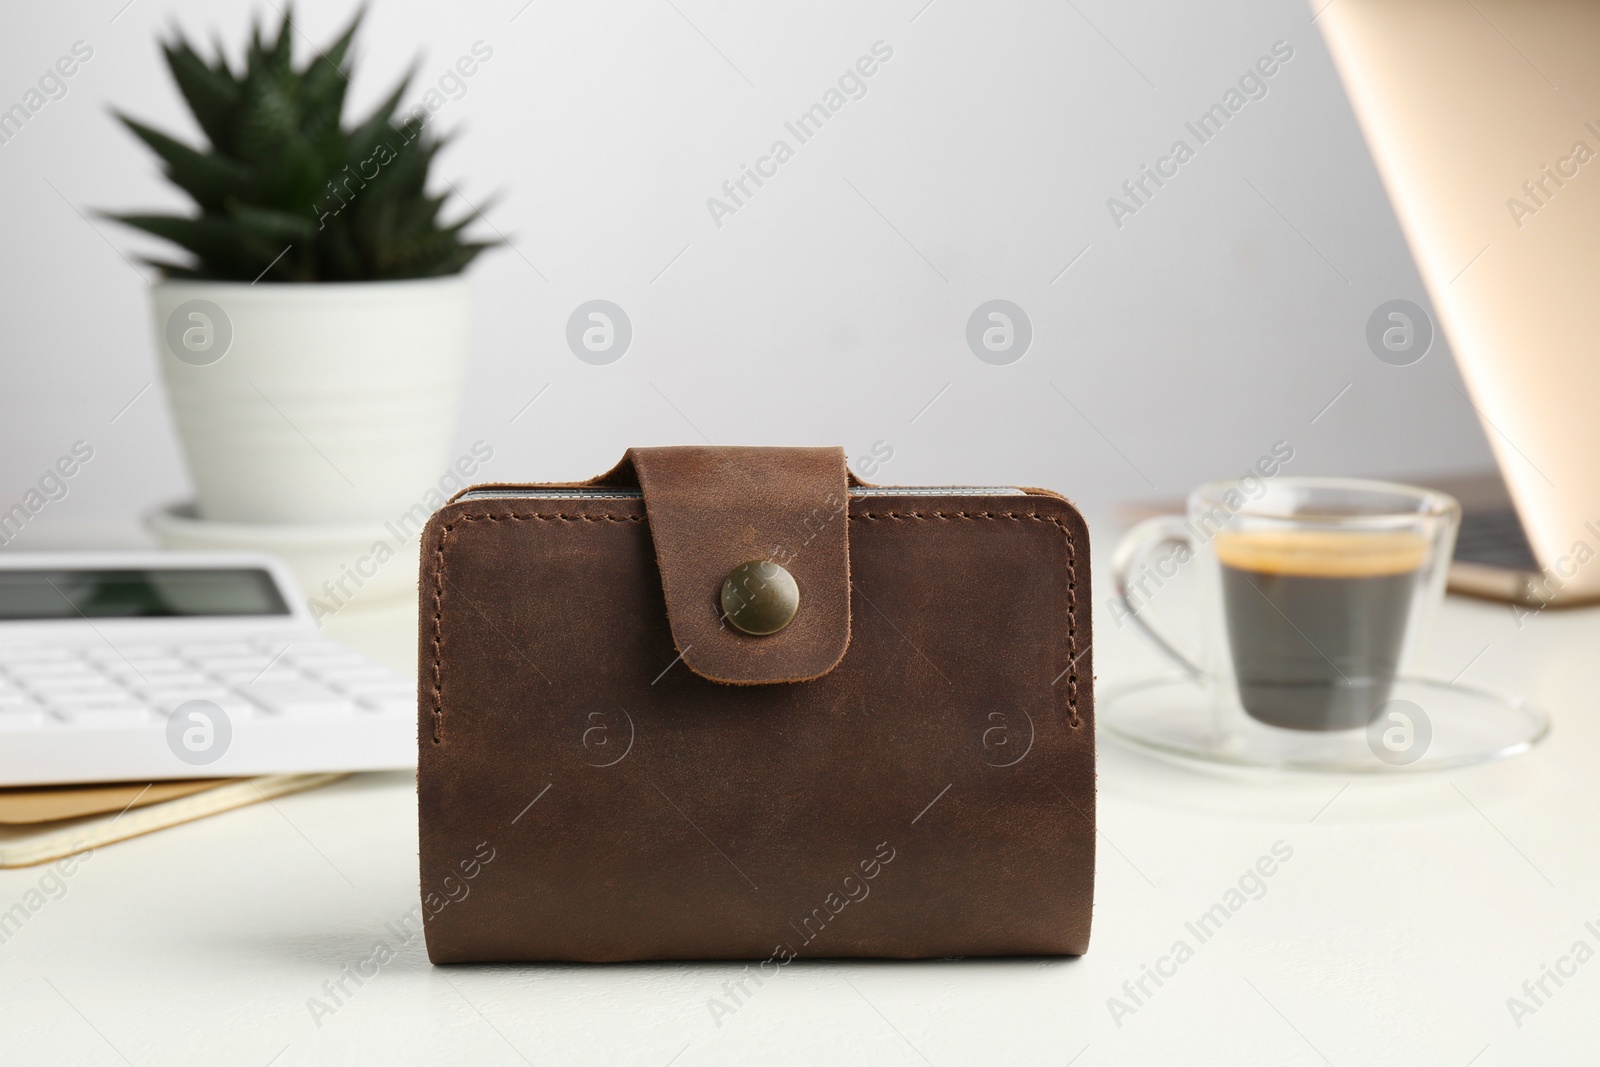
(1426,725)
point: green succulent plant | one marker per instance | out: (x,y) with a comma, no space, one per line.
(285,191)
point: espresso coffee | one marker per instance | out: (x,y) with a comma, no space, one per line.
(1316,620)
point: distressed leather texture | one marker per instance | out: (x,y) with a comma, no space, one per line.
(912,776)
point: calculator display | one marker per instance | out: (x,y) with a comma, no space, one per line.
(137,593)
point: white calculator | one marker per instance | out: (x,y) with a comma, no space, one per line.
(138,666)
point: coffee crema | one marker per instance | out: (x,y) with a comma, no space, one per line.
(1322,553)
(1316,619)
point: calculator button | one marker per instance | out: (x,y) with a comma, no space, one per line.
(31,653)
(299,698)
(324,658)
(72,683)
(218,648)
(109,715)
(23,717)
(233,663)
(347,675)
(166,701)
(46,668)
(168,680)
(147,665)
(121,651)
(71,698)
(244,680)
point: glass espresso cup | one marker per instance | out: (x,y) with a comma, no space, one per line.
(1314,591)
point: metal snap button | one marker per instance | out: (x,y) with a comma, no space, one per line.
(760,597)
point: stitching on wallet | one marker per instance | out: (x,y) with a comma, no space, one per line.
(1074,722)
(438,592)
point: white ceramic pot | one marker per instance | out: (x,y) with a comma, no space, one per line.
(313,403)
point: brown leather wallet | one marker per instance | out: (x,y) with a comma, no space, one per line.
(611,768)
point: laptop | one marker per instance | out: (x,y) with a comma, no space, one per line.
(1484,122)
(144,666)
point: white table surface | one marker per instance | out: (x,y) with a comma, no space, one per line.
(1409,913)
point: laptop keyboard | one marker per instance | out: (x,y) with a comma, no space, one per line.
(62,688)
(1493,537)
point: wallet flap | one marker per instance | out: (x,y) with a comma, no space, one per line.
(711,509)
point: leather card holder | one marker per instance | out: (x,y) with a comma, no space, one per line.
(611,768)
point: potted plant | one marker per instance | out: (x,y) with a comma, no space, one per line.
(314,339)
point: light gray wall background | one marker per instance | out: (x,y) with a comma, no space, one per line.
(831,309)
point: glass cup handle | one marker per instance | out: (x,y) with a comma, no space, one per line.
(1133,550)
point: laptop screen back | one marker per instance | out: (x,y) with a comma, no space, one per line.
(1484,121)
